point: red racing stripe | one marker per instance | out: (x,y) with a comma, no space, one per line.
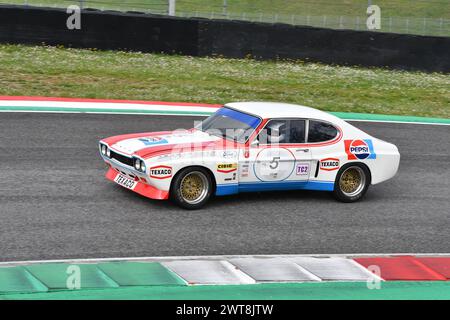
(405,268)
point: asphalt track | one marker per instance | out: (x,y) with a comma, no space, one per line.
(55,202)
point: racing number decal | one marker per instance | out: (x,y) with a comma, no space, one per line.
(274,164)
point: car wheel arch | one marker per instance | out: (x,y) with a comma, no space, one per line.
(208,170)
(349,164)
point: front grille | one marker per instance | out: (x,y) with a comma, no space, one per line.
(122,159)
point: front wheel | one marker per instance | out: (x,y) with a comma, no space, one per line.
(352,182)
(192,188)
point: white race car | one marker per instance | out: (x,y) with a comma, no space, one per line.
(251,146)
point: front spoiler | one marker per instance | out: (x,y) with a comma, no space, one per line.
(141,188)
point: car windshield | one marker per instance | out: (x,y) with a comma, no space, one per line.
(230,124)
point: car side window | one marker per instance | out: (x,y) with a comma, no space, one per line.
(321,131)
(297,131)
(283,131)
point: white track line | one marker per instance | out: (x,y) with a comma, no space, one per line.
(399,122)
(218,257)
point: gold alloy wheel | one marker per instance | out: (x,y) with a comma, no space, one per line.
(352,181)
(194,187)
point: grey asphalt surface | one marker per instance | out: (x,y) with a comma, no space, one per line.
(55,202)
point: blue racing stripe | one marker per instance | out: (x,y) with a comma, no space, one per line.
(226,189)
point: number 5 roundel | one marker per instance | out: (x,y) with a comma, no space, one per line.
(274,164)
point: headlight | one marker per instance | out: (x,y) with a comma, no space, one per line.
(137,164)
(103,149)
(108,152)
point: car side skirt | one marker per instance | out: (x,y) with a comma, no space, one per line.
(227,189)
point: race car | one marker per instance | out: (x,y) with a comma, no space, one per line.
(251,147)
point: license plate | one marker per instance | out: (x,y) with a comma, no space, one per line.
(125,182)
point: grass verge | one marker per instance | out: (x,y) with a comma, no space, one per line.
(402,8)
(50,71)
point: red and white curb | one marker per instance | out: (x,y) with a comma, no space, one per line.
(74,105)
(226,270)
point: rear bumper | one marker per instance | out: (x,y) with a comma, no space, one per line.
(141,188)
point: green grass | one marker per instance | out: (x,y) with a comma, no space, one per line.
(403,8)
(402,16)
(50,71)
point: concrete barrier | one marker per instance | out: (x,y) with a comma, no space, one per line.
(235,39)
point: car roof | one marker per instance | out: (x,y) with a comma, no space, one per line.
(269,110)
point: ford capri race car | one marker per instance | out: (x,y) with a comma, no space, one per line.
(247,147)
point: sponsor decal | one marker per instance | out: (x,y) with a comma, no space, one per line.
(151,141)
(302,169)
(161,172)
(226,167)
(359,149)
(232,178)
(125,182)
(329,164)
(229,154)
(245,168)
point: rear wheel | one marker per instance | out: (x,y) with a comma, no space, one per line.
(352,182)
(192,188)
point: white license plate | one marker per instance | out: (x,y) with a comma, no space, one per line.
(125,182)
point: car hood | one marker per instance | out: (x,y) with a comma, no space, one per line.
(147,143)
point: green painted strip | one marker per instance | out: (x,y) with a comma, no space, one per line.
(18,279)
(140,274)
(342,115)
(55,275)
(396,290)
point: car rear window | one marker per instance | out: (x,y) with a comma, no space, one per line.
(321,131)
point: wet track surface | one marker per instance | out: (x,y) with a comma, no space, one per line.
(55,202)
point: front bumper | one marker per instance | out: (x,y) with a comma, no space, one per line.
(141,188)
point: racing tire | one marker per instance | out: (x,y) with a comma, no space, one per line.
(352,182)
(192,188)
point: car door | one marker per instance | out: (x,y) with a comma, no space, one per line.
(277,158)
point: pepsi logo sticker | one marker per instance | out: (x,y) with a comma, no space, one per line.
(359,149)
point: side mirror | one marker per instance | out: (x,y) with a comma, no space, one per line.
(254,143)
